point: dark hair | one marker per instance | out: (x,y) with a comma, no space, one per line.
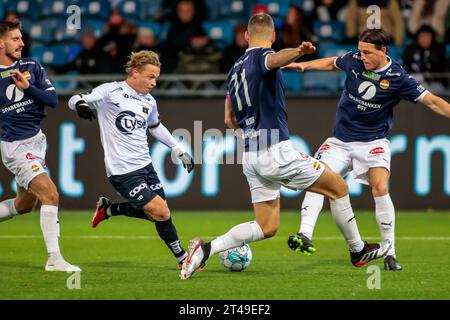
(377,37)
(425,28)
(6,26)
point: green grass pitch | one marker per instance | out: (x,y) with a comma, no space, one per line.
(123,258)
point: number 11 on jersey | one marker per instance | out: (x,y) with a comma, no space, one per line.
(234,78)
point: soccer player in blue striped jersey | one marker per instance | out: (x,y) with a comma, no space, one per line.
(375,84)
(25,92)
(255,107)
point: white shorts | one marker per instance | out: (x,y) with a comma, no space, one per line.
(25,158)
(343,157)
(279,165)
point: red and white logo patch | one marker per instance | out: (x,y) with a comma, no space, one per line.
(324,147)
(377,150)
(30,156)
(304,156)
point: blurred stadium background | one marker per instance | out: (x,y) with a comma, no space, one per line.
(198,41)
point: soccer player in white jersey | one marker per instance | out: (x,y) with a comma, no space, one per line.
(26,91)
(126,113)
(375,84)
(255,104)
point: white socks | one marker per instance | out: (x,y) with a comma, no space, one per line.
(7,209)
(385,216)
(311,206)
(50,228)
(236,236)
(344,218)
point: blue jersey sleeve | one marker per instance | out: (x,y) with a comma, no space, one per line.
(42,81)
(262,59)
(411,90)
(343,62)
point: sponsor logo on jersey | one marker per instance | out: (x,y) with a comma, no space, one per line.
(316,165)
(27,74)
(367,90)
(35,168)
(324,147)
(377,150)
(126,122)
(371,75)
(126,95)
(14,93)
(137,189)
(6,73)
(384,84)
(30,156)
(145,110)
(393,74)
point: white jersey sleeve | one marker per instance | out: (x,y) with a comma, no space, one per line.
(94,98)
(153,119)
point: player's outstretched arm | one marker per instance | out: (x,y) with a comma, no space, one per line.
(230,117)
(324,64)
(286,56)
(437,104)
(161,133)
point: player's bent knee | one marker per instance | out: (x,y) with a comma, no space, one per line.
(50,198)
(380,190)
(339,189)
(269,231)
(158,210)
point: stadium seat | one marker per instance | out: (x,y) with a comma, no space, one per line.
(231,10)
(306,5)
(277,8)
(320,81)
(25,8)
(133,11)
(333,30)
(334,50)
(152,7)
(64,34)
(53,8)
(94,25)
(42,32)
(292,80)
(55,55)
(98,9)
(396,53)
(220,31)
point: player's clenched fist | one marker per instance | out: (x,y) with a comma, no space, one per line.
(20,80)
(83,110)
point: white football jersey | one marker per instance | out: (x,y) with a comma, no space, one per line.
(124,116)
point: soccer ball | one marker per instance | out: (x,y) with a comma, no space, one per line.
(236,259)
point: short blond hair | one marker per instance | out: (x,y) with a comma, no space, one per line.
(260,25)
(138,60)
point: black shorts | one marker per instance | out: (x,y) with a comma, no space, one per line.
(138,187)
